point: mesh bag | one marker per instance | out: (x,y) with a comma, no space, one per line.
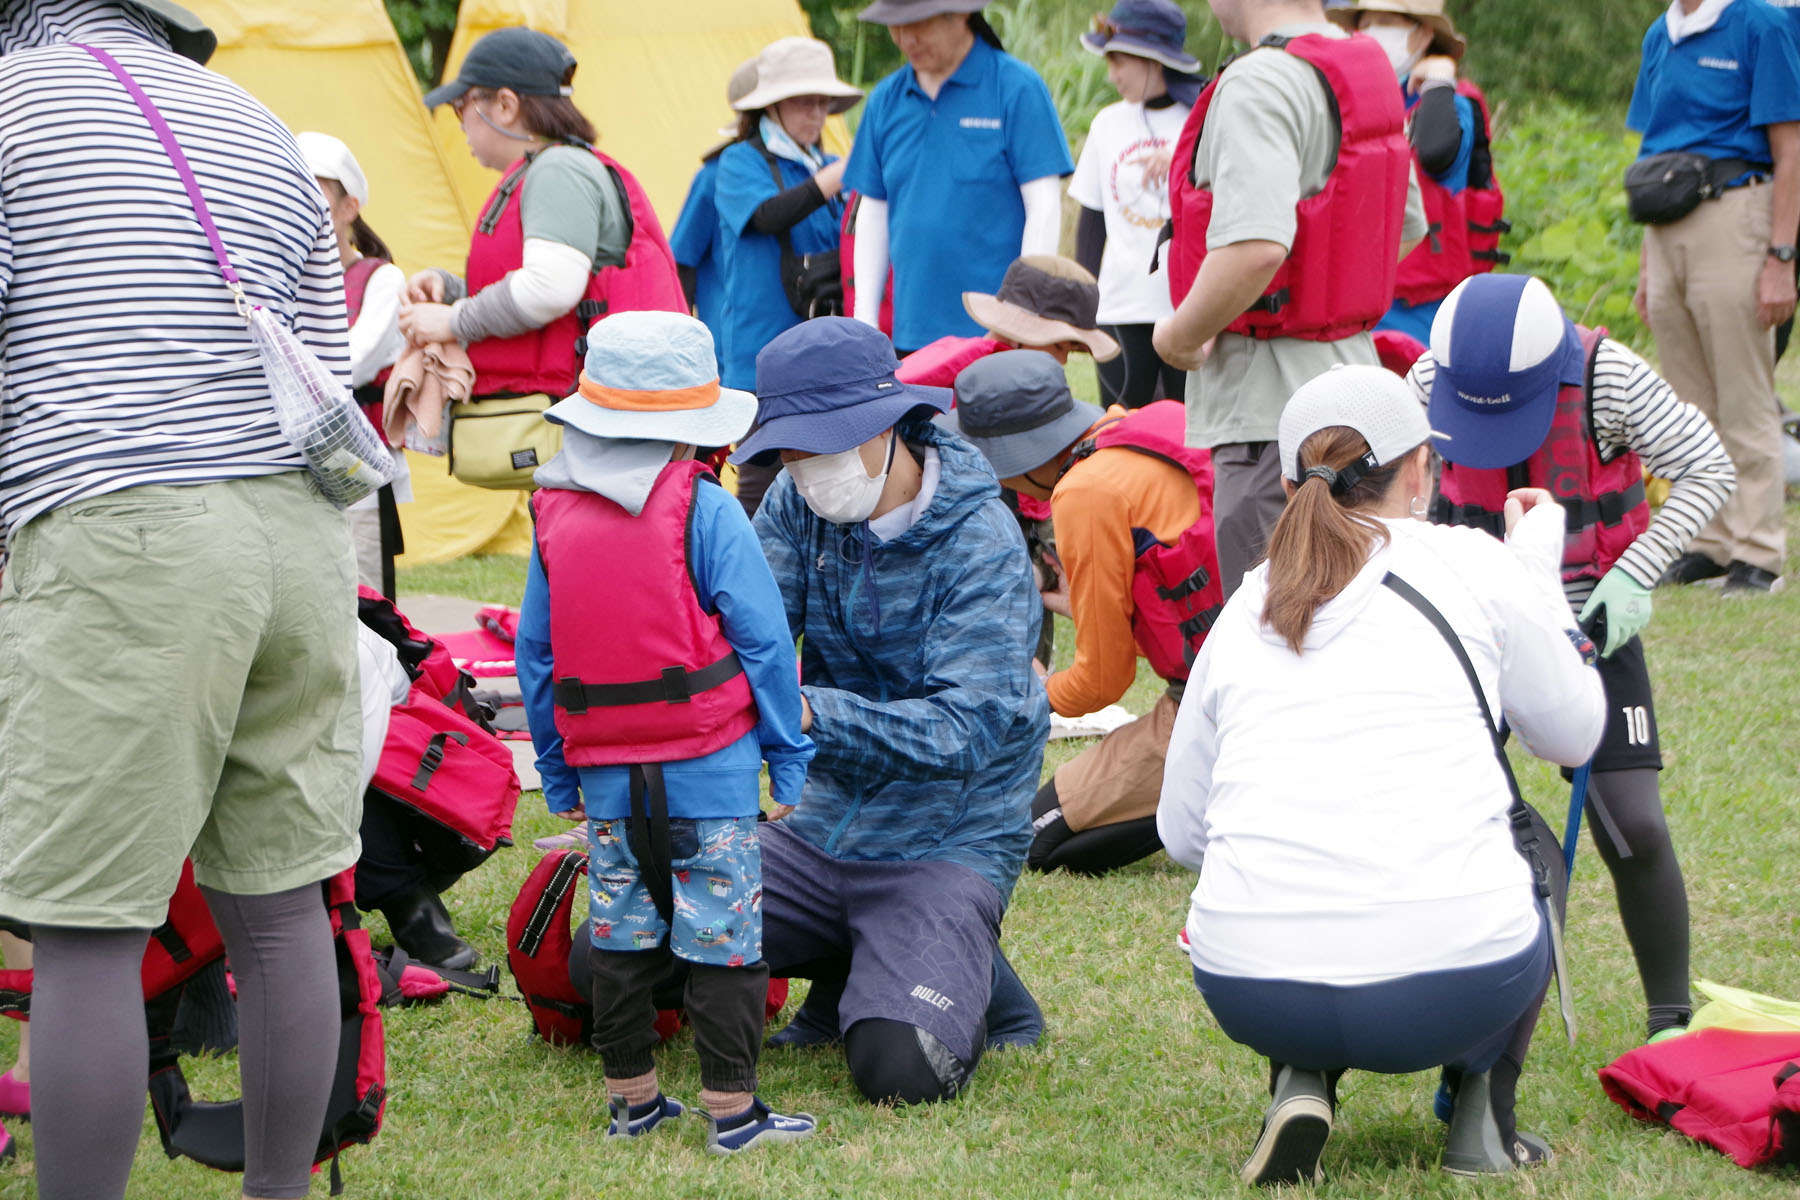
(318,416)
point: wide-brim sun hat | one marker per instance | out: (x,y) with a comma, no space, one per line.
(905,12)
(796,66)
(1152,29)
(827,385)
(1372,400)
(1429,13)
(1016,408)
(1044,299)
(655,376)
(329,158)
(189,36)
(1503,349)
(526,61)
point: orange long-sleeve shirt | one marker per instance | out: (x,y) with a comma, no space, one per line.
(1094,509)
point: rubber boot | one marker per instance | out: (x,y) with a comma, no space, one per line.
(1293,1131)
(1476,1144)
(421,925)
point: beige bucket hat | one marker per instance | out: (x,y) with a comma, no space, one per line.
(797,66)
(1044,299)
(1429,13)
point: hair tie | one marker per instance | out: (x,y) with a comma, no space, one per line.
(1321,472)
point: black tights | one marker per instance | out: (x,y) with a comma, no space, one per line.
(1054,846)
(1633,840)
(1138,376)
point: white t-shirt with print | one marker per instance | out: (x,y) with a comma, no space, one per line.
(1111,179)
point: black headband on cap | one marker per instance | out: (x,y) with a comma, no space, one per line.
(1340,482)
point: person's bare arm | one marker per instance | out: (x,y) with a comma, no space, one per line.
(1230,280)
(1775,283)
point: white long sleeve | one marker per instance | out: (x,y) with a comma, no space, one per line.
(871,262)
(1043,215)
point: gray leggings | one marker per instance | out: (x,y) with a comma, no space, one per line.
(90,1051)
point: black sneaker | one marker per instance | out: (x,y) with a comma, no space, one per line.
(1691,568)
(1294,1131)
(1742,579)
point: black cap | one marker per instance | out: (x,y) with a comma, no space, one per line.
(188,34)
(528,62)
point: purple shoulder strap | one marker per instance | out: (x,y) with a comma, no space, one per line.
(173,149)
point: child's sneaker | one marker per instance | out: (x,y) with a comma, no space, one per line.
(755,1125)
(15,1098)
(635,1120)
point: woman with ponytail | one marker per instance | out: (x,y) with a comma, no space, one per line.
(1333,779)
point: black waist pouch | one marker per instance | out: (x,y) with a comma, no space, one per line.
(1664,188)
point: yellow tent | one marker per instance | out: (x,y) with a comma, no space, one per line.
(652,79)
(337,66)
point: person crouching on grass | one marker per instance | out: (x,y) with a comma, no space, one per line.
(658,676)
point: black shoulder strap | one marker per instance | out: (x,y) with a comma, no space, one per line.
(648,835)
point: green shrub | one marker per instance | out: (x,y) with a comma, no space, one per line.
(1561,166)
(1581,50)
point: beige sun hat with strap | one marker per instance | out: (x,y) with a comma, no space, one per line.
(797,66)
(1429,13)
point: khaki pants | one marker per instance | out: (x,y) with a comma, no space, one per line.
(177,679)
(1701,292)
(1119,778)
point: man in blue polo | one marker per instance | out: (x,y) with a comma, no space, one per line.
(1721,79)
(958,159)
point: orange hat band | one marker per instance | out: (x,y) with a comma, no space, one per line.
(701,395)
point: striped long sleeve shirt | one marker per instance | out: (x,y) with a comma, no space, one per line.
(123,360)
(1635,409)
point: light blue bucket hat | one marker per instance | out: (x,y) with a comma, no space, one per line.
(654,375)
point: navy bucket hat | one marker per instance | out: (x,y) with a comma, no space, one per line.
(1152,29)
(1503,349)
(827,385)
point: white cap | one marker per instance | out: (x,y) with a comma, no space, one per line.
(328,158)
(1371,400)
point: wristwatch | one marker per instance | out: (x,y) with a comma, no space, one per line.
(1786,254)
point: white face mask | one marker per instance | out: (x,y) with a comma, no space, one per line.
(837,487)
(1395,40)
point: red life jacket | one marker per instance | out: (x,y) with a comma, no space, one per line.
(1463,229)
(937,364)
(441,758)
(1175,591)
(1604,498)
(548,359)
(637,680)
(1338,277)
(1735,1091)
(540,944)
(212,1133)
(1398,351)
(356,285)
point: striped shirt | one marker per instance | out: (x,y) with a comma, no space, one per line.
(123,361)
(1635,409)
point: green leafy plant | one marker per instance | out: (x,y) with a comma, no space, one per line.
(424,28)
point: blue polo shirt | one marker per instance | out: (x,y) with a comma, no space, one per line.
(950,171)
(1715,93)
(692,241)
(752,261)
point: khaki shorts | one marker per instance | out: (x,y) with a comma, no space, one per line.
(177,678)
(1120,777)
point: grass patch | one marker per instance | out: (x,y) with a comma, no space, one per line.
(1134,1090)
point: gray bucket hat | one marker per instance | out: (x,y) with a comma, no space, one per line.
(905,12)
(1016,408)
(188,34)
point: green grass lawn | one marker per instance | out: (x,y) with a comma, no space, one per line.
(1133,1092)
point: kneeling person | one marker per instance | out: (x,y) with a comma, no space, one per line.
(907,578)
(1132,509)
(658,677)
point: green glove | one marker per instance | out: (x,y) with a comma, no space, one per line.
(1627,605)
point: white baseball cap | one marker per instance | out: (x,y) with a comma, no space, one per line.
(328,158)
(1371,400)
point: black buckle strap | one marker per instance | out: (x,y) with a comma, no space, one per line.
(1431,234)
(1498,227)
(1272,303)
(676,685)
(647,833)
(1499,257)
(172,943)
(1198,625)
(1196,581)
(433,758)
(561,880)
